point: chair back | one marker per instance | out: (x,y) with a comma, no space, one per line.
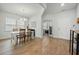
(22,32)
(15,29)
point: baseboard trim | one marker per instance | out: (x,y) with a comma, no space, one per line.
(1,39)
(59,38)
(66,38)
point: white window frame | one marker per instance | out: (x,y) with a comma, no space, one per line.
(17,24)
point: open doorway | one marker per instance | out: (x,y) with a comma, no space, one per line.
(47,27)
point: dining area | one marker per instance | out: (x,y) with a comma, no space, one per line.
(22,35)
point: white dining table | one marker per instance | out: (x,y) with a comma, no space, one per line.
(13,36)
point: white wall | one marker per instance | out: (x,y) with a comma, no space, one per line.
(37,26)
(77,13)
(62,22)
(38,23)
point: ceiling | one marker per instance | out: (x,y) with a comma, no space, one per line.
(31,9)
(23,9)
(56,7)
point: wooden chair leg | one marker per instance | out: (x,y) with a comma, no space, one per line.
(24,39)
(17,41)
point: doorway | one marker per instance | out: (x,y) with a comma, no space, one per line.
(47,27)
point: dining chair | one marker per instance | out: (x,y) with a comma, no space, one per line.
(28,35)
(21,36)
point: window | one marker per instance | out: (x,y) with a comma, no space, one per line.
(20,23)
(12,22)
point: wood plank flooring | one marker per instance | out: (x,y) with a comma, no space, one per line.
(44,46)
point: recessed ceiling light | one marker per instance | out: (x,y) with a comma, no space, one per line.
(62,4)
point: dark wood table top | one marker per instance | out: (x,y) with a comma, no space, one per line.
(76,31)
(32,29)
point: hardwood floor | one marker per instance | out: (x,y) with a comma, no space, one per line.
(45,46)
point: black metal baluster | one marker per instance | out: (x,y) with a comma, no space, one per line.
(72,40)
(70,43)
